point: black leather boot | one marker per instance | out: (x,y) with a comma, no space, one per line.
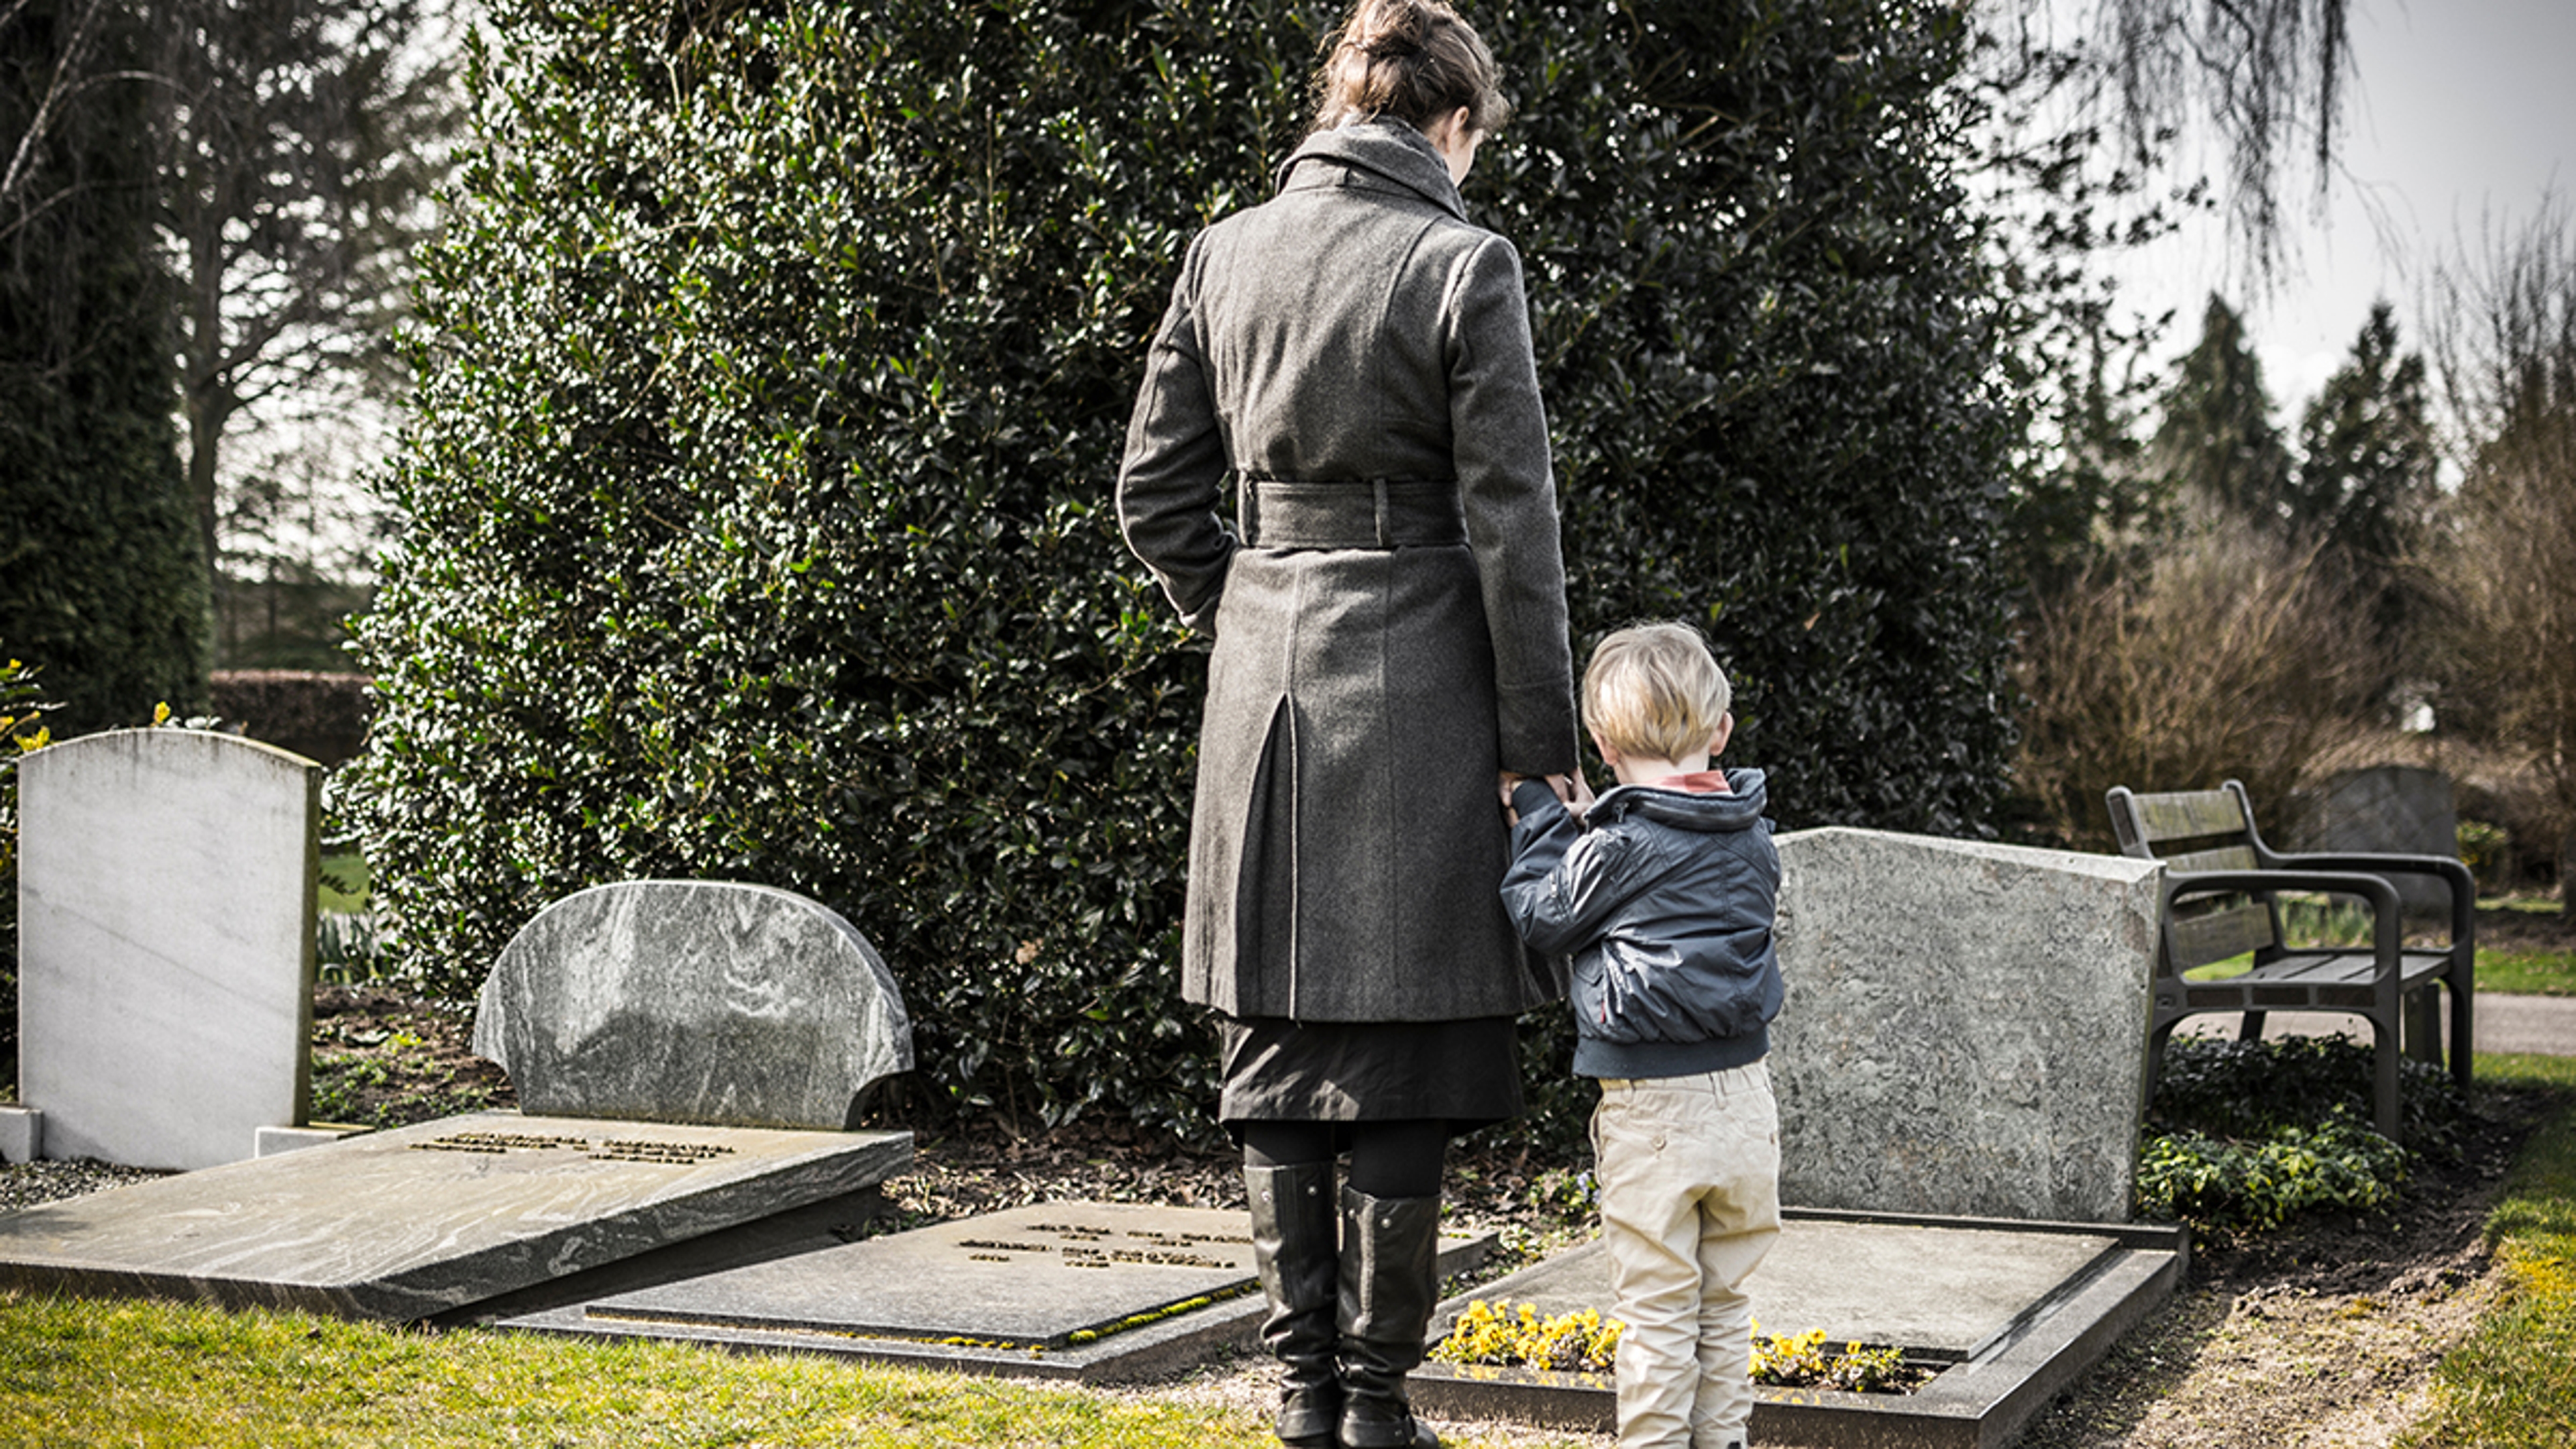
(1293,1230)
(1390,1281)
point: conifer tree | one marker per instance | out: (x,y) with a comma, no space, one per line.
(2217,439)
(101,583)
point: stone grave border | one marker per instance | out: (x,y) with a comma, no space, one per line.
(1979,1401)
(1172,1341)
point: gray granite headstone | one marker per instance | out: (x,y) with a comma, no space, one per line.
(166,887)
(693,1001)
(419,1220)
(2390,809)
(1965,1030)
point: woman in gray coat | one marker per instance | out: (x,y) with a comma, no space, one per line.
(1390,637)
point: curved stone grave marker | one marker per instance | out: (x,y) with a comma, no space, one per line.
(693,1001)
(165,974)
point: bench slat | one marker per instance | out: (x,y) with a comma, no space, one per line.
(2225,857)
(2232,931)
(2188,813)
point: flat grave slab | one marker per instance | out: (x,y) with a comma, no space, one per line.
(1081,1290)
(2007,1313)
(427,1219)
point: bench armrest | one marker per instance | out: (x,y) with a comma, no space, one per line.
(2386,922)
(2464,887)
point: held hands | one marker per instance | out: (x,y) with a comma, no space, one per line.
(1573,790)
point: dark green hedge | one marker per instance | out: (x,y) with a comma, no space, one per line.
(101,583)
(775,375)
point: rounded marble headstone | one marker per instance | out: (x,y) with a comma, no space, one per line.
(693,1001)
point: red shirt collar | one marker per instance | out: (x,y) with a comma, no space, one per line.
(1697,782)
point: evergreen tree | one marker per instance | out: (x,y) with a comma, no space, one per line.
(2368,458)
(2217,440)
(101,582)
(2366,478)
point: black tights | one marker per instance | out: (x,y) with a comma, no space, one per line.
(1388,1159)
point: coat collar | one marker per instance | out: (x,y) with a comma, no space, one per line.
(1739,809)
(1388,149)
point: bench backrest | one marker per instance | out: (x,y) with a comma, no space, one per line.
(2197,830)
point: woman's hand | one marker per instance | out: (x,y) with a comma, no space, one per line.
(1571,791)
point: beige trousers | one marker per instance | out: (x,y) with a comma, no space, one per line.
(1689,1169)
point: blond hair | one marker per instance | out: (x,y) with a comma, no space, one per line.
(1409,60)
(1652,690)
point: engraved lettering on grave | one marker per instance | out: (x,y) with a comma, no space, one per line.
(674,1154)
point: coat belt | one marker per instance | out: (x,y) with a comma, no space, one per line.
(1361,513)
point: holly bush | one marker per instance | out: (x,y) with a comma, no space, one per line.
(775,368)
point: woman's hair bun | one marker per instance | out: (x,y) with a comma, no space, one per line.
(1407,60)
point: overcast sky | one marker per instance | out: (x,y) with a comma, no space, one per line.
(2461,110)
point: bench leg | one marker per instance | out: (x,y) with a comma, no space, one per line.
(2422,1034)
(2252,1030)
(2463,1040)
(2383,1055)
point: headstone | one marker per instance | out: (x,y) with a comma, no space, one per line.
(693,1001)
(2387,809)
(421,1220)
(166,888)
(1965,1030)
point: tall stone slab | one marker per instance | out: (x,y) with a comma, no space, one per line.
(1965,1031)
(693,1001)
(2387,809)
(165,975)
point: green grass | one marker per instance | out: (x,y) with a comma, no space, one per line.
(76,1372)
(344,883)
(2512,1384)
(2527,973)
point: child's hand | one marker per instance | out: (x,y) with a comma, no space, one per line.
(1505,784)
(1578,801)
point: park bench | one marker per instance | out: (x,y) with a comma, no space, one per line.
(2221,900)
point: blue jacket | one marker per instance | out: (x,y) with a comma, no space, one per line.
(1666,903)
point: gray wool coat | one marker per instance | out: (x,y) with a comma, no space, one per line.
(1351,360)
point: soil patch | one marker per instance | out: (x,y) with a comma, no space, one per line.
(2511,930)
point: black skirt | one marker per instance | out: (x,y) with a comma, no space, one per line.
(1276,1070)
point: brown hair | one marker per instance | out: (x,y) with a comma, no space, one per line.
(1410,60)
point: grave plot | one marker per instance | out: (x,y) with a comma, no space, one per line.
(428,1219)
(2005,1313)
(1079,1290)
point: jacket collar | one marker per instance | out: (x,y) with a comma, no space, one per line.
(1391,150)
(1746,798)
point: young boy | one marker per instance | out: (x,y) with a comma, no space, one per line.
(1664,897)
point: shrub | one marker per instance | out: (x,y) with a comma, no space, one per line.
(2230,1187)
(22,730)
(778,359)
(2249,1088)
(101,581)
(322,717)
(2229,655)
(2244,1136)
